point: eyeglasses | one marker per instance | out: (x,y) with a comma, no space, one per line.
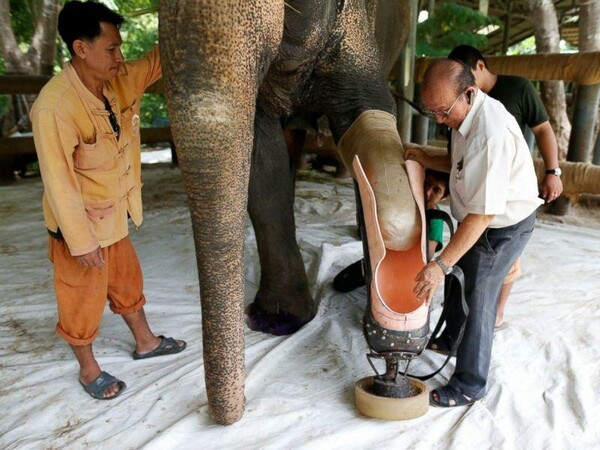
(446,113)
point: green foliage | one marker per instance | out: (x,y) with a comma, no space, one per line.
(153,111)
(23,14)
(525,47)
(449,26)
(140,34)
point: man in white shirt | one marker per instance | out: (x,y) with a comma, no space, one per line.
(494,196)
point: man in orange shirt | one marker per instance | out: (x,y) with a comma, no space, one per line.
(86,132)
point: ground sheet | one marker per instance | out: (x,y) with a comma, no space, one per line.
(543,383)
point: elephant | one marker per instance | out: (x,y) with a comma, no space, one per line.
(234,71)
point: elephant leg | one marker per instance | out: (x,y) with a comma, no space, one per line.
(214,57)
(283,303)
(294,140)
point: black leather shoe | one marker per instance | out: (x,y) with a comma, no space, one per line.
(350,278)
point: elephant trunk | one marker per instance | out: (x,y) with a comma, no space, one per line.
(213,68)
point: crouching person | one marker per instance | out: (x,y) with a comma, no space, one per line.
(86,132)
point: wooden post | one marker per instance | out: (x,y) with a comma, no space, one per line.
(596,157)
(405,77)
(585,114)
(484,6)
(506,27)
(421,127)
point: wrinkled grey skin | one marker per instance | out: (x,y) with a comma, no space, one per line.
(234,70)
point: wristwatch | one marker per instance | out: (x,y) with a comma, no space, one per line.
(447,270)
(556,172)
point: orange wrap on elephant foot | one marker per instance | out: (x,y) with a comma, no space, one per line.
(393,304)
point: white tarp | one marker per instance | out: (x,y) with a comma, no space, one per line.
(543,383)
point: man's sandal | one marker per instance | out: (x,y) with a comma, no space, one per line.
(449,397)
(167,346)
(104,381)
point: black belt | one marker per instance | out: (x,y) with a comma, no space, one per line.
(56,234)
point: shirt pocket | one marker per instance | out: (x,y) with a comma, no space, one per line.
(92,156)
(102,219)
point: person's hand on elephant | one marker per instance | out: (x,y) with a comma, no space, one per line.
(428,279)
(416,154)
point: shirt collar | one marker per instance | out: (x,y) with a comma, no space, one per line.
(85,93)
(466,125)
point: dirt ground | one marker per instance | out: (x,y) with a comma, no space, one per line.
(584,213)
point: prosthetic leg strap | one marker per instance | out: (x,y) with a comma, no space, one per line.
(436,214)
(460,278)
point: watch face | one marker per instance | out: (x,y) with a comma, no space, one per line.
(557,172)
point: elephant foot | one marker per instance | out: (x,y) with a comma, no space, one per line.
(278,324)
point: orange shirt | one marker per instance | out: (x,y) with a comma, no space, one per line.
(92,178)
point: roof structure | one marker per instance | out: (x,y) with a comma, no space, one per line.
(517,25)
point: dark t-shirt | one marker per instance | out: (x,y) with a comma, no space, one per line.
(519,97)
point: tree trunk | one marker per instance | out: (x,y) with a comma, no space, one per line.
(547,37)
(39,58)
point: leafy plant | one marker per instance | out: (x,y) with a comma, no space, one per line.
(451,25)
(140,34)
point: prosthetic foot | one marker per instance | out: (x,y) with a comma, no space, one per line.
(396,323)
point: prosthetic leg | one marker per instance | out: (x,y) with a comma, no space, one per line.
(396,323)
(392,219)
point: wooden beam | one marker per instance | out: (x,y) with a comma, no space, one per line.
(22,84)
(583,68)
(33,84)
(23,145)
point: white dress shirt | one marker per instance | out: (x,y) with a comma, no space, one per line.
(492,170)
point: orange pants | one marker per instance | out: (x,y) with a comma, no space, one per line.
(513,273)
(81,292)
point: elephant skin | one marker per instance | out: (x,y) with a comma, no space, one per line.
(234,71)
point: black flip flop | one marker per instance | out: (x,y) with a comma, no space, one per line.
(167,346)
(449,398)
(105,380)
